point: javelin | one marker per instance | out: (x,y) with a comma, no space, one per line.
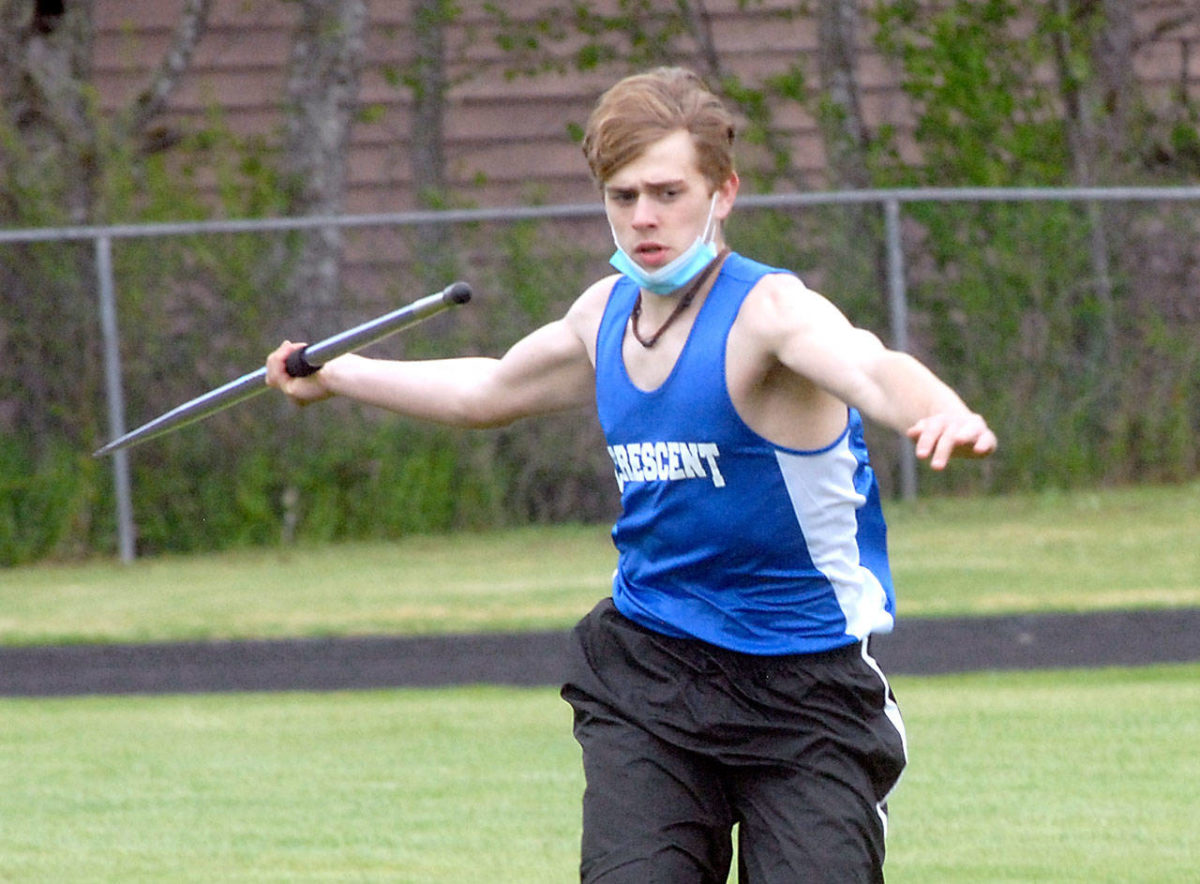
(299,363)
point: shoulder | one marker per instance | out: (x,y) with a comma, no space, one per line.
(784,321)
(589,306)
(584,315)
(740,267)
(780,303)
(774,291)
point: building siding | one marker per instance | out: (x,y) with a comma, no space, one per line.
(507,138)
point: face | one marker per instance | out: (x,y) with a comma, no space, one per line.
(658,204)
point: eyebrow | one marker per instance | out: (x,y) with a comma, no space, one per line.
(651,187)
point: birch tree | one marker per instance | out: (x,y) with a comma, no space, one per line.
(50,117)
(63,159)
(58,148)
(45,64)
(429,83)
(324,73)
(1093,46)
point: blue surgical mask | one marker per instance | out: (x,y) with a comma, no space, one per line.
(676,273)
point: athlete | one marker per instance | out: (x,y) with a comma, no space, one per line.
(727,680)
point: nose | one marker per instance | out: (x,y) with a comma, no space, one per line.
(644,214)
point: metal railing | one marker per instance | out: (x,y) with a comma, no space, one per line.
(891,201)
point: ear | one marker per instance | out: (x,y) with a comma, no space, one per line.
(726,194)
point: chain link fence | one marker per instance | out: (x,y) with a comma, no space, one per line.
(1054,310)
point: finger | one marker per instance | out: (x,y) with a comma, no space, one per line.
(924,437)
(277,374)
(273,363)
(986,443)
(943,450)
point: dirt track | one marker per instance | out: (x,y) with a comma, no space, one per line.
(917,647)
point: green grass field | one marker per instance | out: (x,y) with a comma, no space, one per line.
(1061,776)
(1081,776)
(1129,548)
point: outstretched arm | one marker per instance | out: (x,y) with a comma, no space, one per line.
(913,400)
(548,370)
(810,336)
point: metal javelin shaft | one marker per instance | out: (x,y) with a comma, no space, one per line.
(301,362)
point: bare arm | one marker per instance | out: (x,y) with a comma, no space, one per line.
(811,337)
(548,370)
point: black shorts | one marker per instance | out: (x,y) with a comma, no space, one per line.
(682,739)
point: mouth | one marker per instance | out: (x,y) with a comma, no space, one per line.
(651,254)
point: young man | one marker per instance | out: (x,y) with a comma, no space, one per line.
(727,680)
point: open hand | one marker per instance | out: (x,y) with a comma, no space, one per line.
(942,436)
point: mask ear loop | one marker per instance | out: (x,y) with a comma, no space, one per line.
(710,228)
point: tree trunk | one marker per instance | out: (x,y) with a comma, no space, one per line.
(45,61)
(1097,107)
(846,137)
(427,140)
(193,22)
(322,93)
(54,159)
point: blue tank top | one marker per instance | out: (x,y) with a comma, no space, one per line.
(724,536)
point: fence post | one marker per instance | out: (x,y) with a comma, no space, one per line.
(115,396)
(898,311)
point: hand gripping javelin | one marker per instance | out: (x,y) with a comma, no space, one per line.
(299,363)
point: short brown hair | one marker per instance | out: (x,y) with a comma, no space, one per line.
(644,108)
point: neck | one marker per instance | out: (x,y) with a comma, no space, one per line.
(684,296)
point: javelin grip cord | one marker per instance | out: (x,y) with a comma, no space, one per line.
(299,367)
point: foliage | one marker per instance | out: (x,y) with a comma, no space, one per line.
(981,120)
(639,33)
(46,501)
(1013,304)
(48,315)
(1070,326)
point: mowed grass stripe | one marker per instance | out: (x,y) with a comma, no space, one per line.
(1071,776)
(1127,548)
